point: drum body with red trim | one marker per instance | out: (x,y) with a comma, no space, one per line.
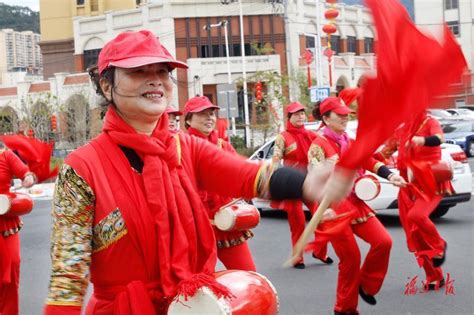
(237,217)
(15,204)
(367,187)
(253,294)
(442,171)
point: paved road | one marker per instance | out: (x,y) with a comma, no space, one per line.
(309,291)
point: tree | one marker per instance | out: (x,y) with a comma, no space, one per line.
(35,114)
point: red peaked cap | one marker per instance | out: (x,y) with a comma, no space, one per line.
(294,107)
(198,104)
(334,104)
(171,110)
(134,49)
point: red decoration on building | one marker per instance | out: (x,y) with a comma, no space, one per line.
(54,123)
(329,28)
(331,14)
(258,91)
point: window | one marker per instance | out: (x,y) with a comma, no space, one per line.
(454,27)
(310,43)
(450,4)
(351,44)
(90,57)
(94,5)
(335,45)
(368,45)
(79,2)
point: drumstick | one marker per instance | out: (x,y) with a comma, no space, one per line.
(308,231)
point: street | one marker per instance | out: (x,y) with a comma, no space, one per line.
(312,290)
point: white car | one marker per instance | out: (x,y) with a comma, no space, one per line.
(461,113)
(387,199)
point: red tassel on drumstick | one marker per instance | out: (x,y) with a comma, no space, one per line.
(411,71)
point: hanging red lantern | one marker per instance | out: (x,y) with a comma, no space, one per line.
(329,29)
(54,123)
(331,1)
(30,133)
(258,91)
(331,14)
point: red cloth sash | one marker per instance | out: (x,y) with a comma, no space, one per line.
(182,240)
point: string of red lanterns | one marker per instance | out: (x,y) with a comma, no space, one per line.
(330,28)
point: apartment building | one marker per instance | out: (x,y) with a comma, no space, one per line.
(56,22)
(19,53)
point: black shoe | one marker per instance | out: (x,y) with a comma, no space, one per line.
(327,261)
(438,261)
(300,265)
(370,299)
(434,286)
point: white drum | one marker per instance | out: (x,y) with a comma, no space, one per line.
(367,187)
(204,302)
(252,293)
(5,204)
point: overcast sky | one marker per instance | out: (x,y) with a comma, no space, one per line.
(33,4)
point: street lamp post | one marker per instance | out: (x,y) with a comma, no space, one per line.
(244,77)
(224,24)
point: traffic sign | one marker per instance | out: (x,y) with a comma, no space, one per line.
(319,94)
(227,100)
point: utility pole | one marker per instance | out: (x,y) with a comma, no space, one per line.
(289,59)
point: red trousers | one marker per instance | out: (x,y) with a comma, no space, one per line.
(421,232)
(9,291)
(296,220)
(372,273)
(237,257)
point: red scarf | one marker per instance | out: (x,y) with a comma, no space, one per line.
(303,139)
(185,242)
(213,137)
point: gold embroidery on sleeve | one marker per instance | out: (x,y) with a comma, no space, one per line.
(71,238)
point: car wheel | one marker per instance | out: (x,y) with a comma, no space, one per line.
(439,212)
(470,148)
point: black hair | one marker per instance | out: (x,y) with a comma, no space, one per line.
(187,117)
(109,75)
(317,111)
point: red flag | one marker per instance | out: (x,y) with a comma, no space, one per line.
(412,69)
(349,95)
(35,153)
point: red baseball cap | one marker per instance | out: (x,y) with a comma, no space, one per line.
(334,104)
(134,49)
(294,107)
(198,104)
(171,110)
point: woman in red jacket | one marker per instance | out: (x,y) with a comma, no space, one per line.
(420,142)
(291,149)
(10,165)
(232,248)
(352,279)
(126,212)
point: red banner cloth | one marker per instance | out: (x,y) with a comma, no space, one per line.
(412,69)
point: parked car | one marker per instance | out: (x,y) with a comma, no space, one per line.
(463,113)
(441,114)
(387,199)
(460,133)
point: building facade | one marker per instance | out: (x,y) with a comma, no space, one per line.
(57,35)
(19,53)
(458,15)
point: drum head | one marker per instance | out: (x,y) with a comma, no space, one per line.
(4,204)
(366,188)
(224,219)
(204,302)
